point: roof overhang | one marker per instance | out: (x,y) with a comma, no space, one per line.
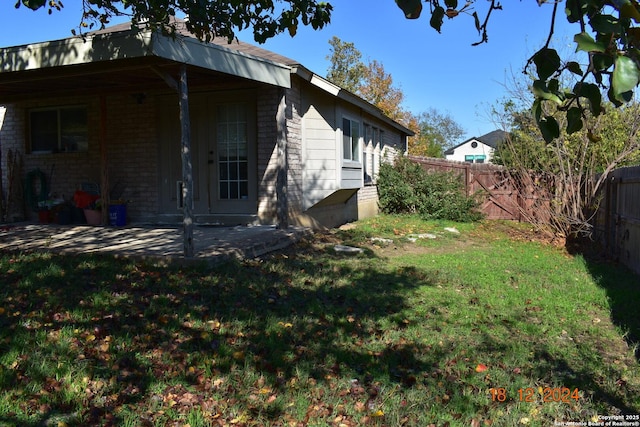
(123,47)
(349,97)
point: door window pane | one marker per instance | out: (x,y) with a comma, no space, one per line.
(233,149)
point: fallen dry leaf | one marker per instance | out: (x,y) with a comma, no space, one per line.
(481,367)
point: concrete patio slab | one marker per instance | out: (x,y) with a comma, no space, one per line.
(212,243)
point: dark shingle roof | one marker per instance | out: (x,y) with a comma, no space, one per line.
(493,138)
(237,45)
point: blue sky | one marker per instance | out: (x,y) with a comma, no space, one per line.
(441,71)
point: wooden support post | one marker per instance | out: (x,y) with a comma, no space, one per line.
(187,168)
(282,204)
(185,149)
(104,160)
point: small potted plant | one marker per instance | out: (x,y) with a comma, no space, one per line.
(47,210)
(44,214)
(93,212)
(91,204)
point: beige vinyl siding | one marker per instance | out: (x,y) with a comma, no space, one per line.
(320,174)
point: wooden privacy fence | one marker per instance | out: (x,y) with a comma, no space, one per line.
(502,195)
(617,220)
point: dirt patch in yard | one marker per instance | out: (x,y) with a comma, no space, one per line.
(405,243)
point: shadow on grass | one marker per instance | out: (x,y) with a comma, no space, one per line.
(85,336)
(562,372)
(96,340)
(623,292)
(621,285)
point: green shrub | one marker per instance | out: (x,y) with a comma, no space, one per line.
(405,187)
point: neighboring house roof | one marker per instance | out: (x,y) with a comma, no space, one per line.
(46,67)
(492,139)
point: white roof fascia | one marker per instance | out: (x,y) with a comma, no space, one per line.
(113,46)
(225,60)
(316,80)
(343,94)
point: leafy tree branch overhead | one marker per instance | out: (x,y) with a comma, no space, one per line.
(207,19)
(607,34)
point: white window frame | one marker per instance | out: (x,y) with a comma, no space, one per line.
(367,154)
(351,153)
(233,151)
(371,151)
(377,153)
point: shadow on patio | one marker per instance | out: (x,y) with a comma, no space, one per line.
(211,242)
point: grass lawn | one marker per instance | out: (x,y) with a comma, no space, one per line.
(488,327)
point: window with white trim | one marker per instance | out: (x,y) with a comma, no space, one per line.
(367,154)
(371,153)
(377,149)
(350,140)
(58,129)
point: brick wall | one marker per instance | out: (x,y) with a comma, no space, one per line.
(267,108)
(130,135)
(64,171)
(8,136)
(294,147)
(12,193)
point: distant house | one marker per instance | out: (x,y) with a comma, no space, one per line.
(270,139)
(477,149)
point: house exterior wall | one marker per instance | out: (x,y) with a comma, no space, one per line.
(335,190)
(321,154)
(267,109)
(295,159)
(65,171)
(321,189)
(367,201)
(467,149)
(351,172)
(130,135)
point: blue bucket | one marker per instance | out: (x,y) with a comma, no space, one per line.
(118,215)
